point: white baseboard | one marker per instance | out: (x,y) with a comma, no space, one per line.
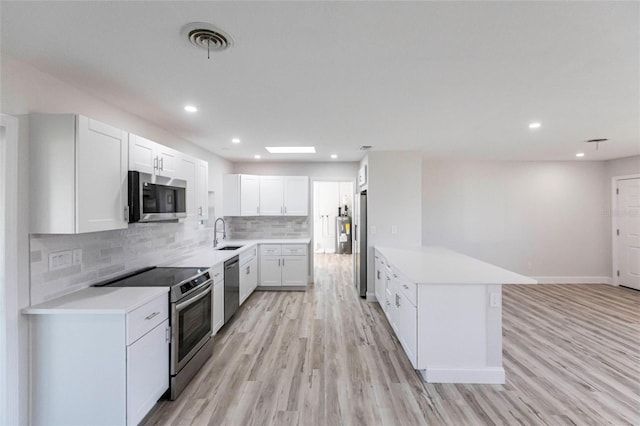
(371,297)
(489,375)
(573,280)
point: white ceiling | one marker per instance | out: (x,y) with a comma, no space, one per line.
(451,79)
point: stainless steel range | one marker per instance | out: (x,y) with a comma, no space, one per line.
(190,318)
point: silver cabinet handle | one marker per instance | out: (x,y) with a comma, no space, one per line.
(405,286)
(378,272)
(285,209)
(153,315)
(258,209)
(282,262)
(167,334)
(278,262)
(155,163)
(248,270)
(395,276)
(162,163)
(200,211)
(126,214)
(397,301)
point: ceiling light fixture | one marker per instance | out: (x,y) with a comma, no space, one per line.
(291,149)
(580,154)
(535,125)
(334,156)
(257,157)
(190,108)
(235,140)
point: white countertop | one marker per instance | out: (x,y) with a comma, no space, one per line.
(209,257)
(99,300)
(439,265)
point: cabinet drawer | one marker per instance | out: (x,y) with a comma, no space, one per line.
(217,273)
(270,249)
(408,289)
(294,249)
(146,317)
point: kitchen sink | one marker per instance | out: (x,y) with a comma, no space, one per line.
(230,248)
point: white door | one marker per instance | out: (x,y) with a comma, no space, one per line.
(628,234)
(271,196)
(142,154)
(187,171)
(101,161)
(294,270)
(249,195)
(270,271)
(296,196)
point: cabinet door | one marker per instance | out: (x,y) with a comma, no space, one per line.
(167,162)
(271,196)
(249,195)
(187,170)
(294,270)
(270,271)
(253,275)
(379,282)
(202,189)
(296,196)
(407,324)
(147,372)
(142,154)
(245,282)
(218,305)
(101,162)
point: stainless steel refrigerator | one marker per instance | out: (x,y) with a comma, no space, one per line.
(360,233)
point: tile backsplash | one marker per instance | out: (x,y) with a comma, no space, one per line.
(247,228)
(110,253)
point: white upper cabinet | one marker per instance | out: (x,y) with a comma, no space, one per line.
(202,189)
(250,195)
(78,174)
(241,195)
(296,196)
(147,156)
(187,169)
(271,195)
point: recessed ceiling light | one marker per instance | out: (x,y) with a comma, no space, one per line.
(190,108)
(580,154)
(235,140)
(257,157)
(535,125)
(291,149)
(334,156)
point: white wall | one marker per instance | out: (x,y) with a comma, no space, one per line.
(542,219)
(315,170)
(394,197)
(23,90)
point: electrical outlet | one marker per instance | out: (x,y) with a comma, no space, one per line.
(77,256)
(494,300)
(60,260)
(394,229)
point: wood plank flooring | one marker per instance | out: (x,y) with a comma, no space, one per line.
(327,357)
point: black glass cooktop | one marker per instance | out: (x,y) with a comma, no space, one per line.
(155,277)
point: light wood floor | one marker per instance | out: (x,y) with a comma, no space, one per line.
(326,357)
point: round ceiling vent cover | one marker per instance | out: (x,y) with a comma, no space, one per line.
(208,37)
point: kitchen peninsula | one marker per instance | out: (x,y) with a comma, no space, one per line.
(446,310)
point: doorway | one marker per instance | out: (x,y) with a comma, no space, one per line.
(332,214)
(626,231)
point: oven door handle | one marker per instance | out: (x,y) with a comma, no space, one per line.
(192,300)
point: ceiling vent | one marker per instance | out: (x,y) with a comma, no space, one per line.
(206,36)
(365,147)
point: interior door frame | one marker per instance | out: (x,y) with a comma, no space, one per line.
(9,349)
(312,181)
(614,225)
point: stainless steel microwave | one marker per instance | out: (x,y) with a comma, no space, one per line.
(153,202)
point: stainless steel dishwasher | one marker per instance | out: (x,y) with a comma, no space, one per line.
(231,287)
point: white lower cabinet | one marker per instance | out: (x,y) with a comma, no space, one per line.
(99,367)
(283,265)
(217,273)
(248,273)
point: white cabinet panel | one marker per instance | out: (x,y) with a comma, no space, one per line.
(218,300)
(407,324)
(296,196)
(142,154)
(294,270)
(379,282)
(147,378)
(249,195)
(78,174)
(271,196)
(270,271)
(187,170)
(202,189)
(167,162)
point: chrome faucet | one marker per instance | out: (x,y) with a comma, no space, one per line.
(215,231)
